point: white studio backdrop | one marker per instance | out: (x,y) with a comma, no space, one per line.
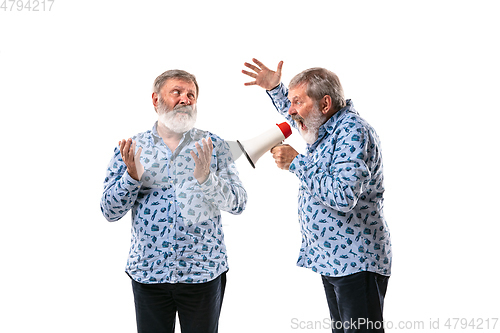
(77,78)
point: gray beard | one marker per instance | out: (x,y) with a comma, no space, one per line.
(313,123)
(177,120)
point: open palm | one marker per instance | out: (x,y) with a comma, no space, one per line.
(264,77)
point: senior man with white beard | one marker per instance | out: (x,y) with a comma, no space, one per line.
(345,237)
(175,179)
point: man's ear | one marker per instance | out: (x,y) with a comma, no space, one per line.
(155,101)
(326,104)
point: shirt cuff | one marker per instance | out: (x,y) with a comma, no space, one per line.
(298,165)
(276,88)
(278,92)
(208,183)
(130,183)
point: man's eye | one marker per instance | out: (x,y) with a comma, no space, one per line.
(175,92)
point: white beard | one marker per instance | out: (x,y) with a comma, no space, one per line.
(179,120)
(312,123)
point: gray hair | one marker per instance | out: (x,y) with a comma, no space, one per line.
(174,74)
(320,82)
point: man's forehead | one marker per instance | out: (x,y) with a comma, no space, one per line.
(180,83)
(297,91)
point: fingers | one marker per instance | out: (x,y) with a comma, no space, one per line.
(204,153)
(252,67)
(198,157)
(124,148)
(210,146)
(132,149)
(249,74)
(195,157)
(131,159)
(138,154)
(261,65)
(127,149)
(202,160)
(277,152)
(280,66)
(264,77)
(279,148)
(283,156)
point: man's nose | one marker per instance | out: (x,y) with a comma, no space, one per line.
(184,99)
(292,111)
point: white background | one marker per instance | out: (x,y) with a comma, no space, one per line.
(77,79)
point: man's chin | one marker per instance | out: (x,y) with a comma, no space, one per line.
(177,128)
(309,136)
(178,123)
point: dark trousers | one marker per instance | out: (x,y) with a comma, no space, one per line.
(356,301)
(198,306)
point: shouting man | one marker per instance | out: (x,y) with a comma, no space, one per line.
(344,234)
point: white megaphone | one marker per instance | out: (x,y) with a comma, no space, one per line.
(258,146)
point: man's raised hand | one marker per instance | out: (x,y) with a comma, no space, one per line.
(202,160)
(264,77)
(132,160)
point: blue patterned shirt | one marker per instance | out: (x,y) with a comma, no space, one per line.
(177,234)
(341,195)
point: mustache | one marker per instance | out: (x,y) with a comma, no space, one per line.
(183,108)
(298,118)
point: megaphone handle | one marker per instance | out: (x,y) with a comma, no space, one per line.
(279,144)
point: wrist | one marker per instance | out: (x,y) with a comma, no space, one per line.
(202,180)
(274,87)
(131,178)
(133,174)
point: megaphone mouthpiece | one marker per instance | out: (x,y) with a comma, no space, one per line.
(285,129)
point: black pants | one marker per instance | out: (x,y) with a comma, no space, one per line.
(198,306)
(356,301)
